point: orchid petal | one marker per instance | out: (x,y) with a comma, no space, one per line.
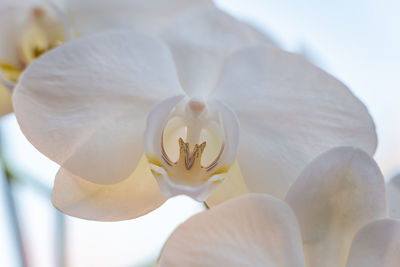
(251,230)
(232,186)
(376,244)
(10,24)
(129,199)
(20,18)
(93,16)
(289,111)
(393,195)
(156,122)
(200,39)
(339,192)
(84,104)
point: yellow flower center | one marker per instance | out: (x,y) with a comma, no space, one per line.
(39,34)
(10,73)
(188,168)
(190,145)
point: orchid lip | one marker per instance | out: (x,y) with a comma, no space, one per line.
(190,157)
(171,189)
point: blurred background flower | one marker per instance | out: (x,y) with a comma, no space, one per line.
(357,41)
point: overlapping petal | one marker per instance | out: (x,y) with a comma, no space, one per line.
(84,104)
(393,195)
(200,40)
(289,111)
(232,186)
(9,24)
(376,244)
(131,198)
(338,193)
(252,230)
(92,16)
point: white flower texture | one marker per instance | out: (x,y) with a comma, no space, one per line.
(99,104)
(335,215)
(30,28)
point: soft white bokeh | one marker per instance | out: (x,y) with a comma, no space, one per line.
(128,243)
(8,245)
(38,226)
(88,243)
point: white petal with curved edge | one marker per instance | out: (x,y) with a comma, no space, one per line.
(129,199)
(376,245)
(5,101)
(200,39)
(289,111)
(156,122)
(339,192)
(84,104)
(92,16)
(251,230)
(232,186)
(393,195)
(231,127)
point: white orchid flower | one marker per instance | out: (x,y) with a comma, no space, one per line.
(97,105)
(29,28)
(334,216)
(393,193)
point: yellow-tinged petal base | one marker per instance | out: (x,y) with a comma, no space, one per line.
(5,101)
(40,34)
(131,198)
(9,72)
(232,187)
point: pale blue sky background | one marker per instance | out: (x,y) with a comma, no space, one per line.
(356,40)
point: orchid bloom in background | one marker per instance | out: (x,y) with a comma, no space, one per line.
(5,101)
(29,28)
(334,216)
(393,193)
(210,101)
